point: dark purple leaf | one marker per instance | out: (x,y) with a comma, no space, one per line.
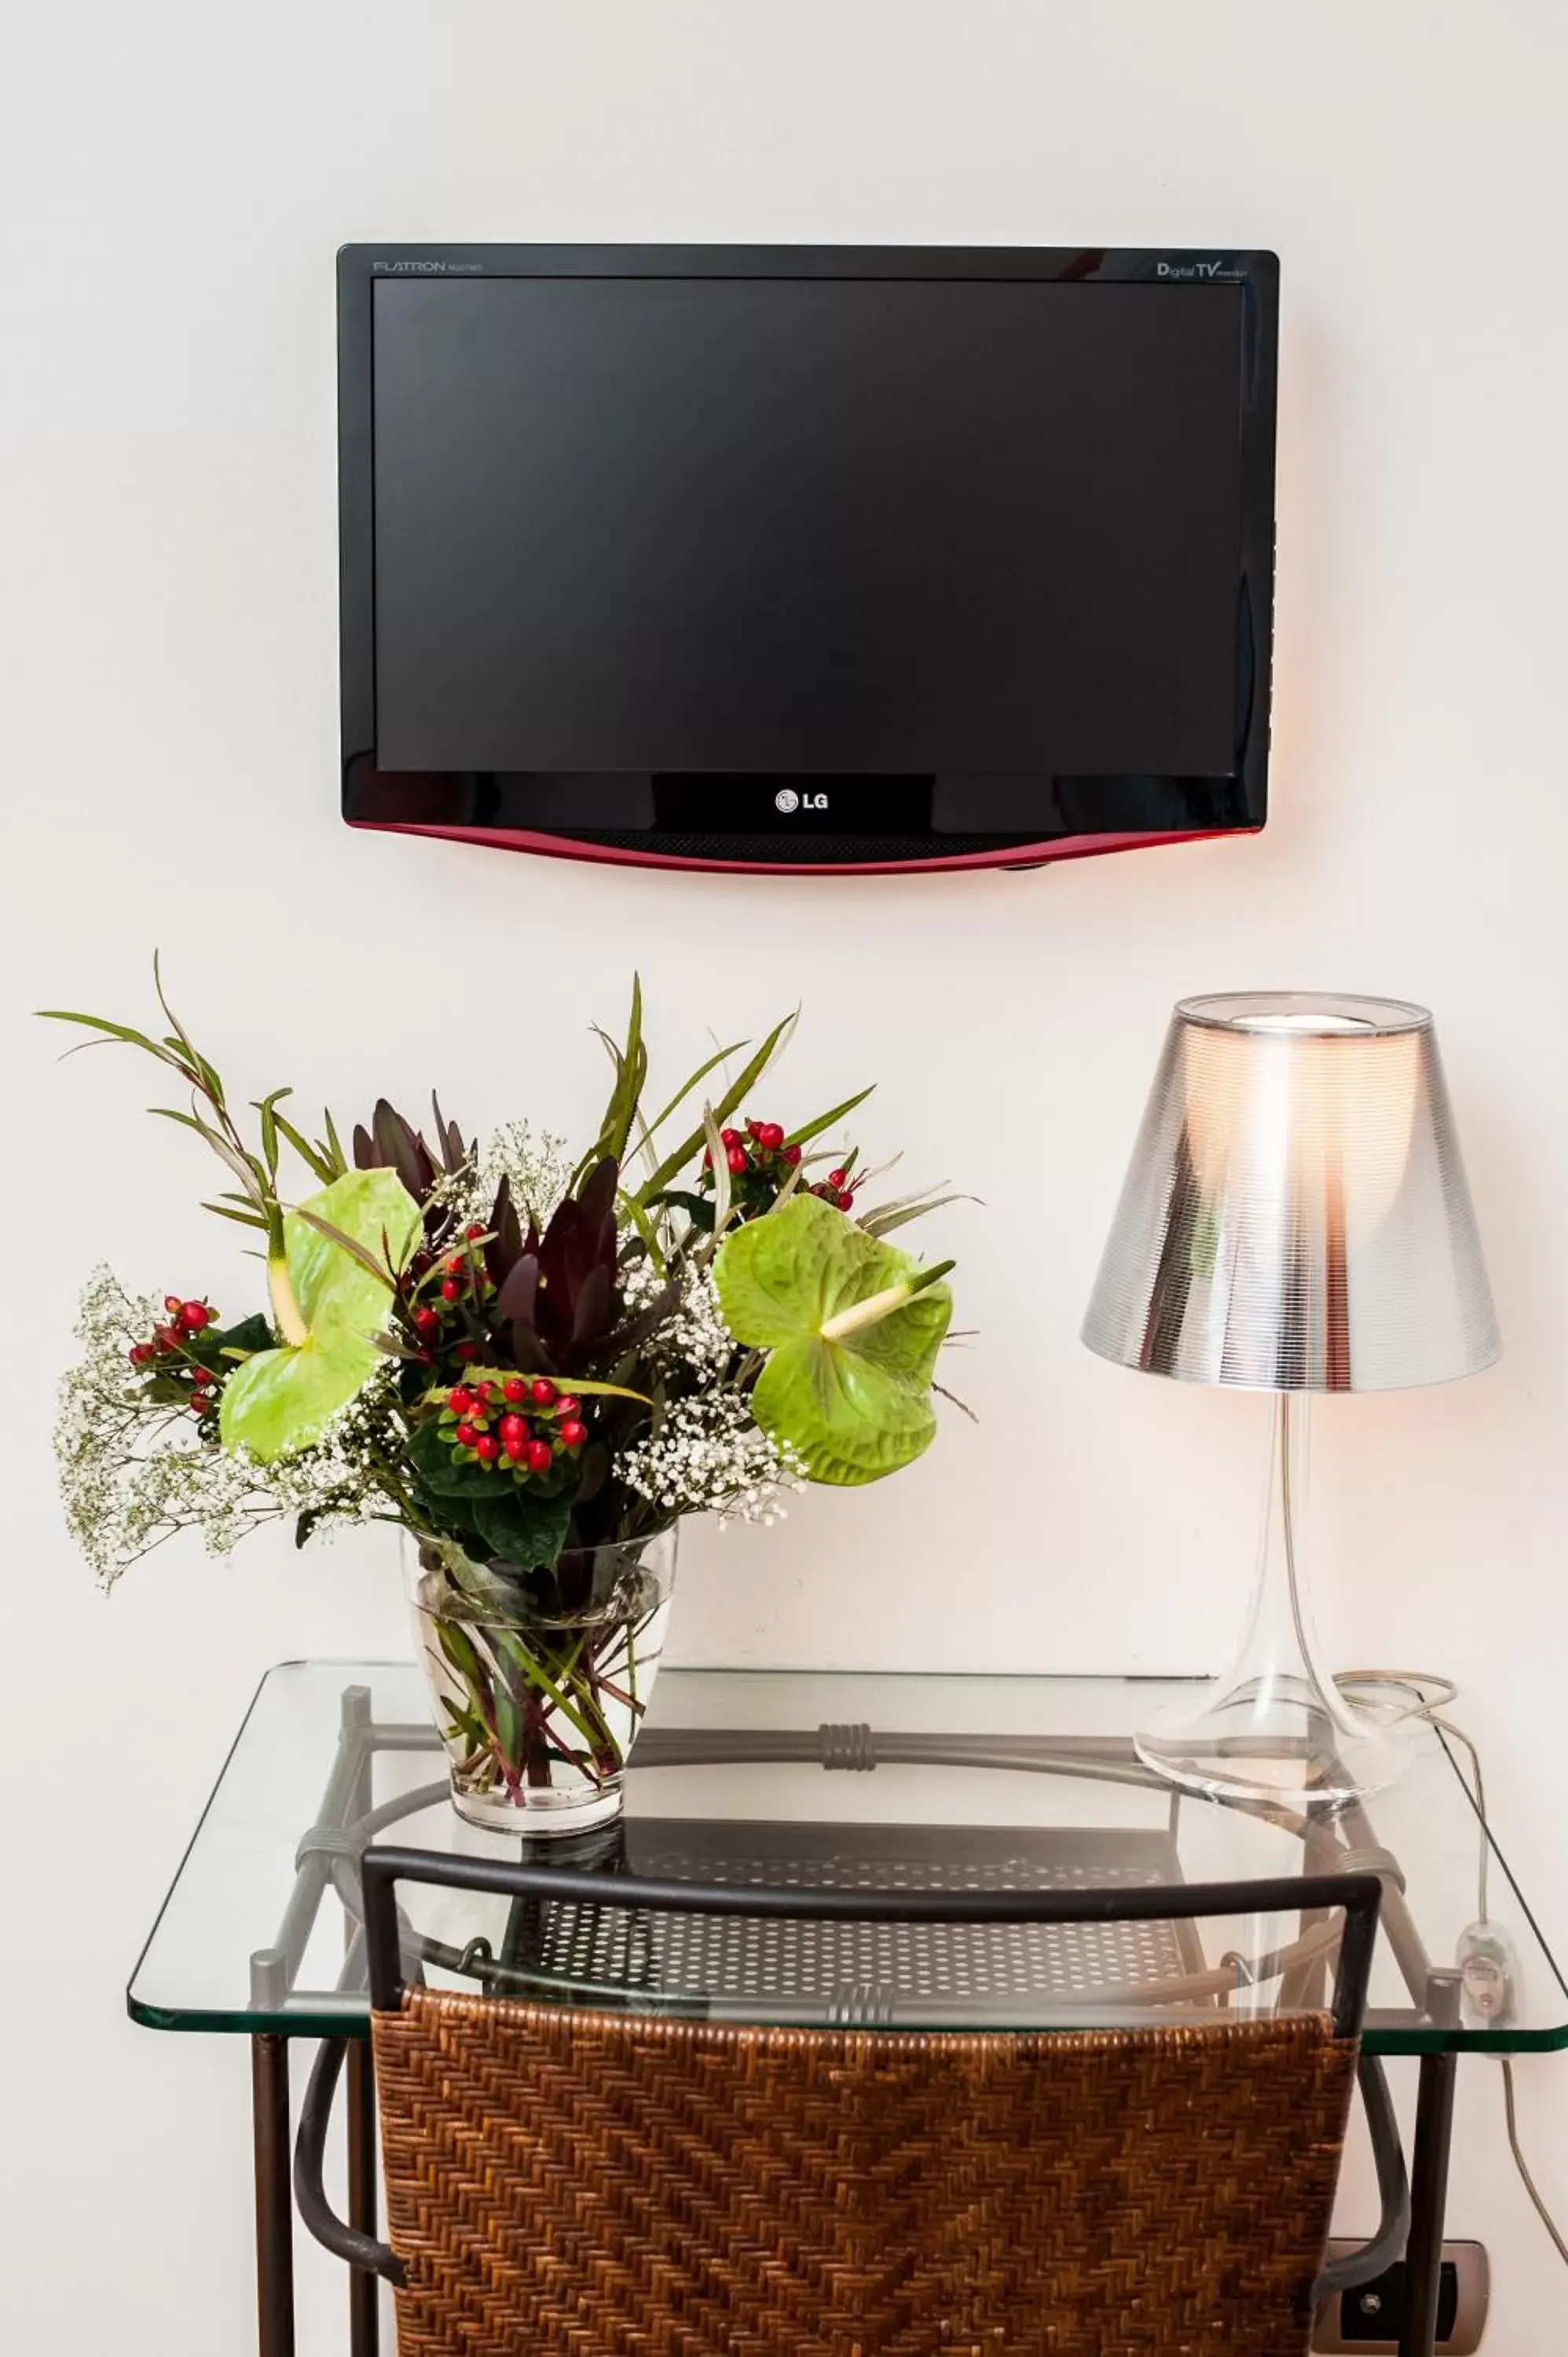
(505,1248)
(515,1301)
(593,1307)
(528,1351)
(598,1196)
(401,1150)
(636,1331)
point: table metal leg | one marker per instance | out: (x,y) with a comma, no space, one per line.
(364,2290)
(1428,2199)
(364,2315)
(274,2195)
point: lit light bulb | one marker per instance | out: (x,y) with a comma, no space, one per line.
(1306,1109)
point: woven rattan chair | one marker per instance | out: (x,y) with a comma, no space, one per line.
(599,2183)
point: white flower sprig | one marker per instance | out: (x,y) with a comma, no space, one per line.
(710,1455)
(535,1164)
(134,1471)
(693,1337)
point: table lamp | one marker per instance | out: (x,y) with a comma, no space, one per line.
(1296,1218)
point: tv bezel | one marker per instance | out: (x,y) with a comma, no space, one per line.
(1082,814)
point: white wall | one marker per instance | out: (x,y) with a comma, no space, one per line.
(178,177)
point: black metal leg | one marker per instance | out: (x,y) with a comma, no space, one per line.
(364,2315)
(1428,2199)
(274,2196)
(364,2290)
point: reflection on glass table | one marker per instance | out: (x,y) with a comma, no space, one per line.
(849,1783)
(841,1781)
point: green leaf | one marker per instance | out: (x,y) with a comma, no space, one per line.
(850,1394)
(699,1208)
(719,1164)
(684,1091)
(244,1219)
(374,1262)
(249,1172)
(314,1159)
(888,1216)
(458,1647)
(183,1040)
(245,1338)
(451,1516)
(270,1123)
(121,1031)
(521,1529)
(826,1120)
(631,1074)
(753,1072)
(582,1385)
(443,1475)
(336,1160)
(279,1400)
(509,1728)
(645,1227)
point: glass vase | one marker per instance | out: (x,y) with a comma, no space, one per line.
(539,1680)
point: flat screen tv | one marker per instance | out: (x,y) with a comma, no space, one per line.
(806,558)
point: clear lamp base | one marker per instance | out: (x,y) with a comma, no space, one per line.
(1283,1743)
(1275,1729)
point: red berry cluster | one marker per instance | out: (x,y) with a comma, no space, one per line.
(186,1319)
(760,1159)
(168,1353)
(838,1188)
(462,1283)
(488,1425)
(759,1152)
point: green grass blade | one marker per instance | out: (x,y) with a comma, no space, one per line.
(693,1142)
(335,1155)
(241,1219)
(646,1229)
(826,1120)
(121,1031)
(309,1155)
(684,1091)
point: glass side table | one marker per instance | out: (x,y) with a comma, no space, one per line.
(852,1779)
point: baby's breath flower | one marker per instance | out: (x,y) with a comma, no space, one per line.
(134,1471)
(709,1455)
(536,1165)
(693,1337)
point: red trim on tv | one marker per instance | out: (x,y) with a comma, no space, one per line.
(1022,854)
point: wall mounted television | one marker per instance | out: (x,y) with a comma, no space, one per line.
(806,558)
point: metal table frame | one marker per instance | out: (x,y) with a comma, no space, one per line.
(346,1819)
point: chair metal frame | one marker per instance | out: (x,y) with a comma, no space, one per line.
(1357,1895)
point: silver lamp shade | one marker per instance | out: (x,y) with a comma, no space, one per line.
(1295,1217)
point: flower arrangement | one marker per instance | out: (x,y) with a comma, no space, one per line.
(535,1365)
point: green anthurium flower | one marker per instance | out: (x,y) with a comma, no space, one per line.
(331,1306)
(851,1328)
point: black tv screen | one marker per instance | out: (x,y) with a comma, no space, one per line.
(727,558)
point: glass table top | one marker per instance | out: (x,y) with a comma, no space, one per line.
(847,1780)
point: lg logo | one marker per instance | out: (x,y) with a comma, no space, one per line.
(788,800)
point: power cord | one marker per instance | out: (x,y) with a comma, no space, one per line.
(1530,2187)
(1428,1697)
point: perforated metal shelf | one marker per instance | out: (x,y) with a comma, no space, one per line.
(874,1970)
